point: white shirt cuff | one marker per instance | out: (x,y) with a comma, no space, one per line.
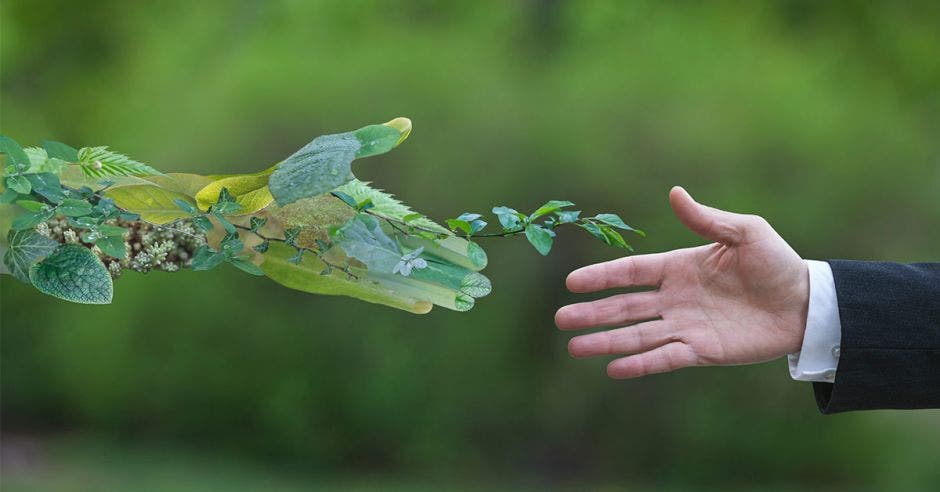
(818,358)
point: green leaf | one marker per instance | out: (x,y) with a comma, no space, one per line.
(595,231)
(59,150)
(244,264)
(540,238)
(25,248)
(325,163)
(99,162)
(185,206)
(411,217)
(19,184)
(46,185)
(457,224)
(614,238)
(249,191)
(9,196)
(567,217)
(110,230)
(549,207)
(290,235)
(106,208)
(256,223)
(153,203)
(346,198)
(205,258)
(112,246)
(203,223)
(362,238)
(509,218)
(73,273)
(298,256)
(40,162)
(32,219)
(32,206)
(15,154)
(376,139)
(387,206)
(226,208)
(613,220)
(262,247)
(228,226)
(73,207)
(365,205)
(231,245)
(475,224)
(85,222)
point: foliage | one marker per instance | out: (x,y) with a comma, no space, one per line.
(310,204)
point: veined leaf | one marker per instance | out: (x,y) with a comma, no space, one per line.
(73,207)
(74,176)
(615,221)
(386,205)
(540,238)
(16,158)
(73,273)
(310,275)
(19,184)
(31,219)
(153,203)
(25,248)
(61,151)
(99,162)
(551,206)
(41,162)
(112,246)
(250,190)
(47,185)
(363,239)
(325,163)
(185,183)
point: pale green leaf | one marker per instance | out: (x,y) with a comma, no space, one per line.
(153,203)
(325,163)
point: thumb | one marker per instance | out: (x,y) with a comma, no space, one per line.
(713,224)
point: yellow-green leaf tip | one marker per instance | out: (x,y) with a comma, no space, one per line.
(403,125)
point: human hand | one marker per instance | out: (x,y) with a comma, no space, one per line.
(740,300)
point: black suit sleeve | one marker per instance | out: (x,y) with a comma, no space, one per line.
(890,350)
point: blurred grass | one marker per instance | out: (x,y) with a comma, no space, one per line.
(821,117)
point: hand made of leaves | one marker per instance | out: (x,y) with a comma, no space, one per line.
(77,217)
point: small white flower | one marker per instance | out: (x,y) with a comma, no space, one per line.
(409,262)
(70,236)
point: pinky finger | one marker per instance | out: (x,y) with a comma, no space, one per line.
(669,357)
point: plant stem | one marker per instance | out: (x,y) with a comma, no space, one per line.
(316,252)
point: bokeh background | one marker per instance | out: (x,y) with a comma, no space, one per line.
(822,116)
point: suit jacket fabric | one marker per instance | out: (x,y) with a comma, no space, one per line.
(890,350)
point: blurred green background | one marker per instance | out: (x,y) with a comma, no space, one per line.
(822,116)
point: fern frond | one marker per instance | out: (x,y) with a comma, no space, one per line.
(387,205)
(99,162)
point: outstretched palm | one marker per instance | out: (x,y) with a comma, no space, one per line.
(740,300)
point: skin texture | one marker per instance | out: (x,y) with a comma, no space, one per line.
(739,300)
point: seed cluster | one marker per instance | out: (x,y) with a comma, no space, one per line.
(148,246)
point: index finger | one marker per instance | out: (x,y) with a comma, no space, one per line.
(630,271)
